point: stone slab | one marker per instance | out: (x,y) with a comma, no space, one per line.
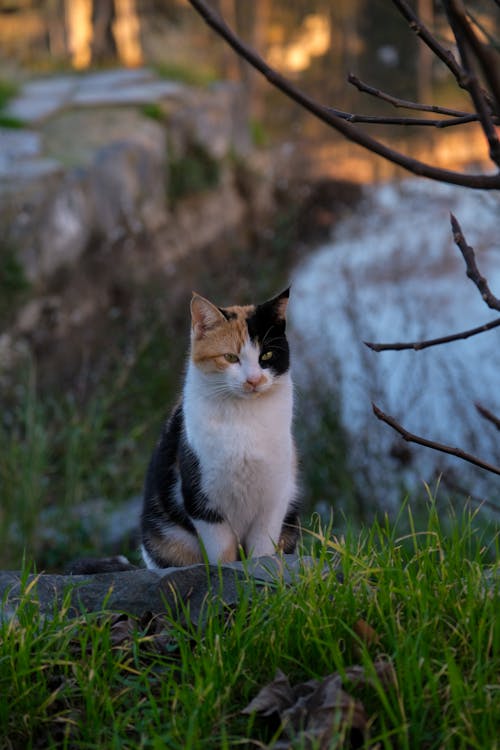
(142,93)
(183,591)
(13,174)
(43,98)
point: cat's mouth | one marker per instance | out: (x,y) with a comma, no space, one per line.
(252,391)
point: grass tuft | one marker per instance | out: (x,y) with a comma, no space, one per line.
(429,594)
(187,74)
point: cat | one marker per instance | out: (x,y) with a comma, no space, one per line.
(222,478)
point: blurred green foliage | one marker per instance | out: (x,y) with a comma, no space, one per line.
(192,173)
(191,75)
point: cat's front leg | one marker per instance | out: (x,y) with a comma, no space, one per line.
(263,536)
(218,540)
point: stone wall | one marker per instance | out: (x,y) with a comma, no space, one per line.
(110,161)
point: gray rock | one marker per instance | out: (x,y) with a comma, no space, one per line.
(65,228)
(183,591)
(18,144)
(74,136)
(122,192)
(137,94)
(209,119)
(127,187)
(42,98)
(111,79)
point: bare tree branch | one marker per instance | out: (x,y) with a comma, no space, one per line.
(445,55)
(463,33)
(487,414)
(486,55)
(418,345)
(471,265)
(480,282)
(411,438)
(416,121)
(348,130)
(365,88)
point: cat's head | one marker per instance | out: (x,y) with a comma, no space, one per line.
(242,351)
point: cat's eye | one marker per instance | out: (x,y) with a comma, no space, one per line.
(232,358)
(266,356)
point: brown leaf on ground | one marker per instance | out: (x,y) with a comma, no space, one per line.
(122,628)
(153,629)
(366,633)
(318,711)
(275,697)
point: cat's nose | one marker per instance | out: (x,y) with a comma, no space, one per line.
(254,379)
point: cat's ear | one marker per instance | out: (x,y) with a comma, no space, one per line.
(278,305)
(204,316)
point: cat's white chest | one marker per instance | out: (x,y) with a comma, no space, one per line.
(245,451)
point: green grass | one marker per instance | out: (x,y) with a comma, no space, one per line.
(7,91)
(13,281)
(14,123)
(154,111)
(428,593)
(193,173)
(188,74)
(58,453)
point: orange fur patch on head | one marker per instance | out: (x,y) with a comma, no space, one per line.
(217,333)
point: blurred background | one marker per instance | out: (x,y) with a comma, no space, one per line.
(140,159)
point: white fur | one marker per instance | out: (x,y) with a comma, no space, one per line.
(148,560)
(244,443)
(217,539)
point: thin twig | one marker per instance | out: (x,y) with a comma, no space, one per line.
(486,55)
(418,345)
(417,121)
(482,285)
(445,55)
(348,130)
(411,438)
(482,28)
(463,33)
(471,266)
(365,88)
(487,414)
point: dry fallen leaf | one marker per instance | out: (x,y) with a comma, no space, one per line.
(319,710)
(366,633)
(275,697)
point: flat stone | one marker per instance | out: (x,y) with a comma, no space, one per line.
(32,109)
(74,136)
(143,93)
(41,99)
(18,144)
(13,174)
(56,86)
(182,591)
(112,78)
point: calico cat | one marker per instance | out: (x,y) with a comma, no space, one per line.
(223,475)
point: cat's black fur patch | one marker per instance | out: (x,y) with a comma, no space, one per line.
(227,313)
(160,505)
(290,530)
(172,460)
(267,327)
